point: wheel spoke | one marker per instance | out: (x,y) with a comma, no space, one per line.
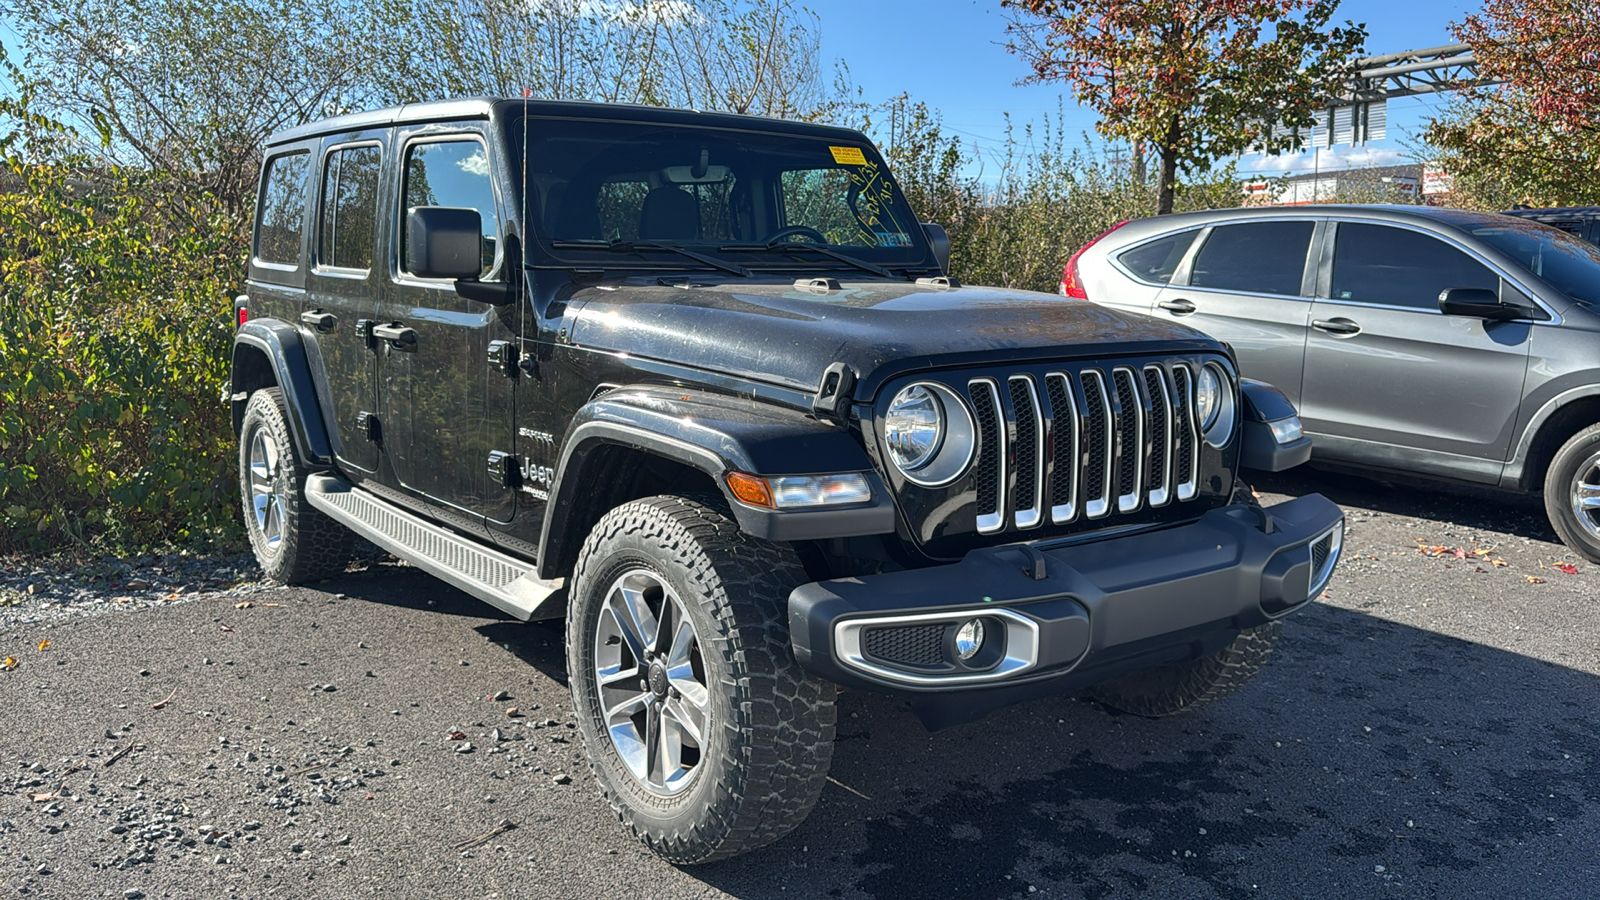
(670,754)
(652,745)
(687,717)
(627,707)
(625,627)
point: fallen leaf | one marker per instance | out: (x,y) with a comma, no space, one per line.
(1534,580)
(272,604)
(1482,552)
(1459,553)
(226,627)
(1568,568)
(1499,562)
(245,605)
(9,664)
(44,645)
(41,798)
(457,736)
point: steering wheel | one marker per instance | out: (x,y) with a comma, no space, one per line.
(778,236)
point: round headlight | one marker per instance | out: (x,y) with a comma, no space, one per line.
(1208,397)
(928,434)
(913,427)
(1214,404)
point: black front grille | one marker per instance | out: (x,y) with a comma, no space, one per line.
(912,645)
(1125,441)
(1319,554)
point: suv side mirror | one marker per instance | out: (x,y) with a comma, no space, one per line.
(444,242)
(941,244)
(1477,302)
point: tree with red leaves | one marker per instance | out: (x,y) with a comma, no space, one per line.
(1196,80)
(1532,137)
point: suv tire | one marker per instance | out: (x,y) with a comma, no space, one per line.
(293,541)
(722,665)
(1573,479)
(1166,690)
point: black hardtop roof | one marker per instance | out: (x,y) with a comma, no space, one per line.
(500,107)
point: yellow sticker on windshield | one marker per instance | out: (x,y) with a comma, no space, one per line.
(849,156)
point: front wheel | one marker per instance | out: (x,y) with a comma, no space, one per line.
(1176,688)
(1572,492)
(706,736)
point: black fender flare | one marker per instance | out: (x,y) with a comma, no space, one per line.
(1259,449)
(715,434)
(281,345)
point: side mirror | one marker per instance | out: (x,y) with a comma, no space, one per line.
(1478,303)
(444,242)
(941,244)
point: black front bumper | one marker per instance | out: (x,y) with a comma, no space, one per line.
(1062,617)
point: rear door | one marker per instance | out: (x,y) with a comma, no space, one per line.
(445,406)
(343,292)
(1386,369)
(1249,284)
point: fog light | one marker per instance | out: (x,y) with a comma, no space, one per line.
(1286,431)
(969,639)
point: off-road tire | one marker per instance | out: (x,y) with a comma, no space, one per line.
(312,545)
(1574,461)
(771,724)
(1176,688)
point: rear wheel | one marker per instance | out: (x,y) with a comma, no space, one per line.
(293,541)
(1167,690)
(1572,492)
(706,736)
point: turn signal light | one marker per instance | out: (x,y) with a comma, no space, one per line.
(750,489)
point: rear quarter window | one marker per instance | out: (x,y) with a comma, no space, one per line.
(283,209)
(1157,260)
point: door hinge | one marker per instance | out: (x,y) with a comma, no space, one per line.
(505,469)
(503,358)
(367,423)
(364,330)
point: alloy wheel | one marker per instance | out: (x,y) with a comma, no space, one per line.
(651,678)
(267,488)
(1585,495)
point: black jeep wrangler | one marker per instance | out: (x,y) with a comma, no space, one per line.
(701,384)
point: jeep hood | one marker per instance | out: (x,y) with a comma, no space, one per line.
(784,335)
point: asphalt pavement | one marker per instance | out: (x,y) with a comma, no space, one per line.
(1427,730)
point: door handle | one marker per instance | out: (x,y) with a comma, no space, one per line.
(1336,326)
(320,320)
(1178,307)
(399,336)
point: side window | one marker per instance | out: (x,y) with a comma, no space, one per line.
(1156,261)
(1400,267)
(349,208)
(454,174)
(283,209)
(1259,257)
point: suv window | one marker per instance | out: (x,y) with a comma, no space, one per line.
(349,207)
(453,174)
(1401,267)
(1156,261)
(1258,257)
(283,209)
(851,205)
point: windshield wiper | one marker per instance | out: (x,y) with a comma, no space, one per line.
(783,245)
(621,246)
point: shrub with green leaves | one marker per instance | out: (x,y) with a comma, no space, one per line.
(114,301)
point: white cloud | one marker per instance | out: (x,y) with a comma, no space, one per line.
(1322,160)
(476,164)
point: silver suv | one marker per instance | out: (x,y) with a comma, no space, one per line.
(1439,343)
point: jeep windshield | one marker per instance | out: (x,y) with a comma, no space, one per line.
(1568,264)
(634,194)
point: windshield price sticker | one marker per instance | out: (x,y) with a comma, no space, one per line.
(848,156)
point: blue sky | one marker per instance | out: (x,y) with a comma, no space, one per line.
(951,55)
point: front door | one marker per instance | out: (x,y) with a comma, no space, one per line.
(343,291)
(1248,285)
(444,406)
(1385,368)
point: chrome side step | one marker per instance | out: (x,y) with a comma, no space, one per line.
(502,581)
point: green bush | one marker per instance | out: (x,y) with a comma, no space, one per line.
(114,335)
(1017,227)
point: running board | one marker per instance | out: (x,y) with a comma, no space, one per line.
(502,581)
